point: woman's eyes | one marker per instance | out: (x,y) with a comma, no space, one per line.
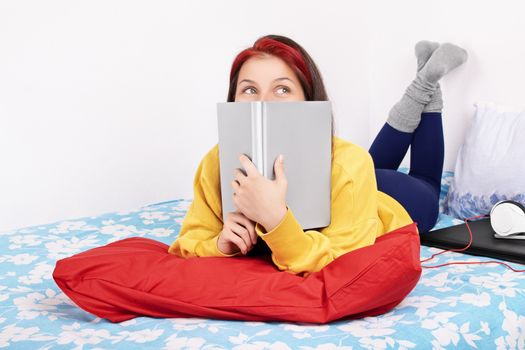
(280,90)
(283,88)
(249,88)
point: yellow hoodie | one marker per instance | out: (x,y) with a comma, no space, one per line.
(359,214)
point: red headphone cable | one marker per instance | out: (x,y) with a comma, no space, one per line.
(465,248)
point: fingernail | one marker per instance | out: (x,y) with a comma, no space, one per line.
(281,158)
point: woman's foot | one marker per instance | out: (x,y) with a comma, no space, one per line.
(405,115)
(423,50)
(444,59)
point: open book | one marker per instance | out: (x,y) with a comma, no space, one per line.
(301,131)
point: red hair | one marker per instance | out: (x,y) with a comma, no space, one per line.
(292,54)
(288,54)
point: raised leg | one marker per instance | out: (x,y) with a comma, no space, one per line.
(415,121)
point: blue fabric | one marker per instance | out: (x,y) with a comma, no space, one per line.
(451,307)
(418,191)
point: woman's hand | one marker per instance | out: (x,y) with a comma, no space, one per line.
(260,199)
(238,234)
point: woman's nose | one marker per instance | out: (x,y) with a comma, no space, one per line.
(267,96)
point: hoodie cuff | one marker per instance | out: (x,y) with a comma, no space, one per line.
(286,240)
(211,246)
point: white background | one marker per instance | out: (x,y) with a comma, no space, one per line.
(110,105)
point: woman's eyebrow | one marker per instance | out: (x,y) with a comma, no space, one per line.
(248,81)
(278,79)
(284,78)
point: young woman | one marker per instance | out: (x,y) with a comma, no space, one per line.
(369,196)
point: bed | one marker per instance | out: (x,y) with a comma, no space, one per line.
(458,306)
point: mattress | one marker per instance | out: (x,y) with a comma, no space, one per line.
(455,306)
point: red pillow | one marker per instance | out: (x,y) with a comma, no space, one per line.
(138,277)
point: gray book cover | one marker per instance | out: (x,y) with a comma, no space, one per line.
(301,131)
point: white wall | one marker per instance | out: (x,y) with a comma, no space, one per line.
(492,32)
(110,105)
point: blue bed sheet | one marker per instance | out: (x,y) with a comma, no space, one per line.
(461,306)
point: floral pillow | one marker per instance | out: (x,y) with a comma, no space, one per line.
(491,162)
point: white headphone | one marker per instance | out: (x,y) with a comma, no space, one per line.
(507,219)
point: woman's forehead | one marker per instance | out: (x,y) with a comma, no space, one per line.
(266,68)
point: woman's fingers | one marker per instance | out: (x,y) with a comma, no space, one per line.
(239,176)
(248,166)
(248,224)
(243,233)
(240,231)
(238,241)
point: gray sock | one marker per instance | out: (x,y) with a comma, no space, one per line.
(446,57)
(405,115)
(423,50)
(436,102)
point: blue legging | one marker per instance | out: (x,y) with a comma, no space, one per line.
(418,191)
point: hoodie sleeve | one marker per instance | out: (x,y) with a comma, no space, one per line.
(354,222)
(203,222)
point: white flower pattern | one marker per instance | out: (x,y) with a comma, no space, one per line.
(467,306)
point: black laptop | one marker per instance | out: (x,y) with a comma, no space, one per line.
(483,241)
